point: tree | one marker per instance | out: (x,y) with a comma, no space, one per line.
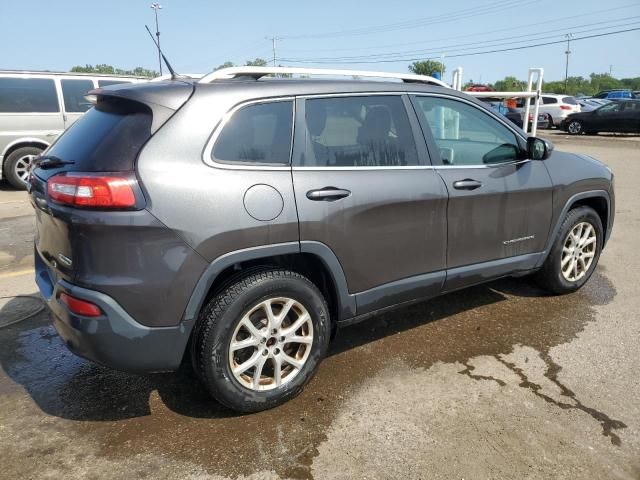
(604,81)
(226,64)
(110,70)
(509,84)
(427,67)
(258,62)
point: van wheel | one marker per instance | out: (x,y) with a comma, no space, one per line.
(17,165)
(574,254)
(261,340)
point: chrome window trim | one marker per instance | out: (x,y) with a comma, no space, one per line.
(207,154)
(208,159)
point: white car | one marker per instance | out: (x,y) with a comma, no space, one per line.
(558,107)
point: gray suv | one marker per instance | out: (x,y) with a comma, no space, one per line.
(237,220)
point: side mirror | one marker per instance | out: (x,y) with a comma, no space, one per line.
(538,148)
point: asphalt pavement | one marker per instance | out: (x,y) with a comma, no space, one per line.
(496,381)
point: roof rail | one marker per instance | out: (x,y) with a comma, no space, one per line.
(259,72)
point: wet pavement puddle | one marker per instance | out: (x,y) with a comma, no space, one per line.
(171,414)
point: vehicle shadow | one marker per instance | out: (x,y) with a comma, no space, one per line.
(34,357)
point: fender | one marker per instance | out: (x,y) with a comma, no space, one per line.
(567,206)
(26,140)
(346,303)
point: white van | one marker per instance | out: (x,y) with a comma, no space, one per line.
(36,107)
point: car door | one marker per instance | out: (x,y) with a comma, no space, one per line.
(608,118)
(366,190)
(73,97)
(630,117)
(500,203)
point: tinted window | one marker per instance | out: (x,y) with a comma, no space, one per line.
(464,134)
(73,92)
(549,100)
(358,131)
(22,95)
(259,133)
(107,138)
(569,100)
(633,106)
(610,107)
(106,83)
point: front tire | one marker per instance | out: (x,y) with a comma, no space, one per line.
(17,164)
(260,340)
(574,254)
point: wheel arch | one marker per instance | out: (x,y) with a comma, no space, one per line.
(314,260)
(599,200)
(20,143)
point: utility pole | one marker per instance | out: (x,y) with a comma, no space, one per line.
(566,68)
(442,67)
(273,47)
(156,7)
(610,69)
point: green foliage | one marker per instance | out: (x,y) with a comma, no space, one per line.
(427,67)
(575,85)
(110,70)
(258,62)
(509,84)
(226,64)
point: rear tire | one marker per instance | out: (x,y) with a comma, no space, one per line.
(17,164)
(575,127)
(251,360)
(574,254)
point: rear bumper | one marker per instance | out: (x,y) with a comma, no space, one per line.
(114,339)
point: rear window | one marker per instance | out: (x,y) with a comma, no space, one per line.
(106,139)
(259,133)
(569,100)
(28,95)
(73,92)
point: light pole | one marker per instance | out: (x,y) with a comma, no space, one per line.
(156,7)
(566,68)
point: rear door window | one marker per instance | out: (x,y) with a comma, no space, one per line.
(257,134)
(359,131)
(107,138)
(28,95)
(73,92)
(549,100)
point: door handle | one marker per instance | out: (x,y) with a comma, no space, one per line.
(467,184)
(327,194)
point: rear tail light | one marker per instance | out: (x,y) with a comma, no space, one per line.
(80,307)
(566,107)
(103,191)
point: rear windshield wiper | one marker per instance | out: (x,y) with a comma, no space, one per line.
(51,161)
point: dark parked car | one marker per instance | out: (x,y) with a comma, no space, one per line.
(622,116)
(236,221)
(516,115)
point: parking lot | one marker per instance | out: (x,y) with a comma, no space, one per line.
(497,381)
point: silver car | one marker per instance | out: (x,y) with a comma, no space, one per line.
(36,107)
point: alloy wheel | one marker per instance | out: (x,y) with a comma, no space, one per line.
(575,127)
(271,344)
(22,166)
(578,251)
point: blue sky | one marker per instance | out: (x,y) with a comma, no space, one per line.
(198,35)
